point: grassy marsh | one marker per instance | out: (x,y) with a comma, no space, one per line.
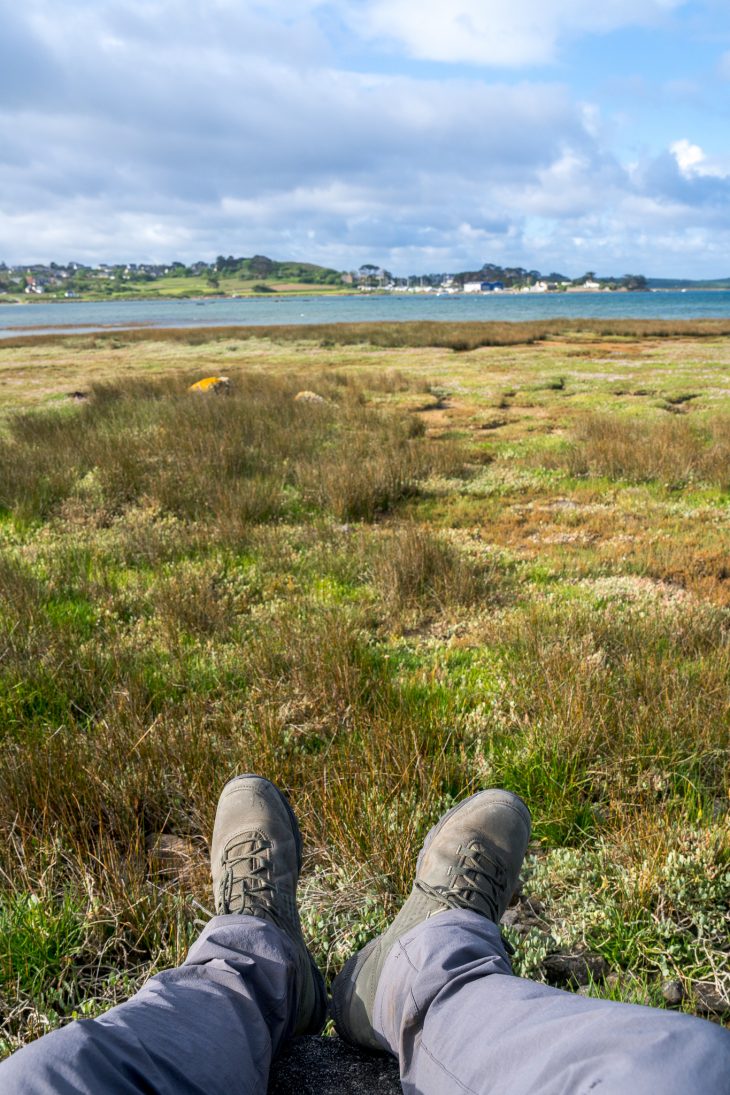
(506,565)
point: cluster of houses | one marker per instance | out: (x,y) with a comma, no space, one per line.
(40,278)
(371,279)
(448,286)
(540,286)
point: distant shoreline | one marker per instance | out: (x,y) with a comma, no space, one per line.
(327,310)
(288,295)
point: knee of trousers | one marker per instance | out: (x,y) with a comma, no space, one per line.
(72,1061)
(690,1056)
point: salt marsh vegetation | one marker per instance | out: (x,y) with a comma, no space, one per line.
(506,565)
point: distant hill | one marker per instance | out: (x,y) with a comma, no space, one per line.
(686,283)
(263,268)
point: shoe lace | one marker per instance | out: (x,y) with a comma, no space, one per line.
(246,885)
(478,882)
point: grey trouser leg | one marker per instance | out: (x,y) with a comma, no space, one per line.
(210,1026)
(450,1009)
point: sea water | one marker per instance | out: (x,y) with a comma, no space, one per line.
(78,316)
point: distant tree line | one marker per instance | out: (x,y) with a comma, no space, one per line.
(515,277)
(262,268)
(73,278)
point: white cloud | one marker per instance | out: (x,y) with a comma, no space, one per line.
(568,187)
(508,33)
(315,162)
(689,157)
(693,162)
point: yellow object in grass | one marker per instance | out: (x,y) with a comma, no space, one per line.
(211,384)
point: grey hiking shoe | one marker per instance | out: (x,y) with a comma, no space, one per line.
(256,857)
(471,859)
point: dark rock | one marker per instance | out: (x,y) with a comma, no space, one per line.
(710,1001)
(527,914)
(574,969)
(512,917)
(328,1066)
(673,993)
(531,907)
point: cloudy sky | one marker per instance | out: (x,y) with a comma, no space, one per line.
(423,135)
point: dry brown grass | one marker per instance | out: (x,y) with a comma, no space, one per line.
(240,459)
(672,450)
(455,336)
(413,568)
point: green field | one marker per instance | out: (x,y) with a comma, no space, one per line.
(228,286)
(174,288)
(472,565)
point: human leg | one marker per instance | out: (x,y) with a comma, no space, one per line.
(448,1007)
(436,989)
(213,1024)
(471,860)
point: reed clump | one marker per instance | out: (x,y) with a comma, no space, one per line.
(254,455)
(414,568)
(673,450)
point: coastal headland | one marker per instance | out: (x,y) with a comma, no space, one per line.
(232,278)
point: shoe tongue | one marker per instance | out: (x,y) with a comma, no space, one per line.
(469,874)
(243,842)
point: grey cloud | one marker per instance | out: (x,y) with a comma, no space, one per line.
(28,69)
(312,129)
(160,130)
(662,178)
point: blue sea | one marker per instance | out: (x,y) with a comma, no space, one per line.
(74,316)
